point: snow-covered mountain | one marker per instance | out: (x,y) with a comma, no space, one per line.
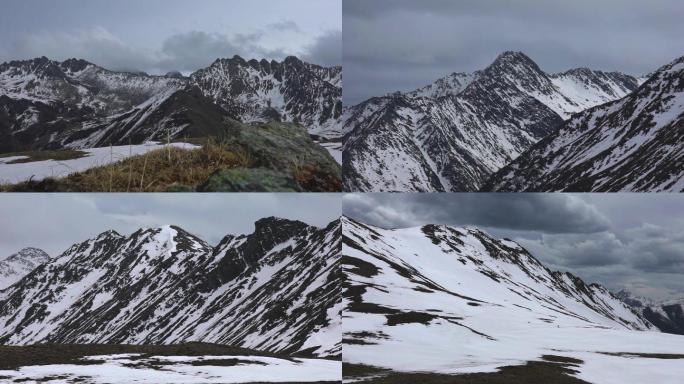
(456,300)
(632,144)
(667,315)
(276,289)
(77,104)
(453,134)
(291,90)
(20,264)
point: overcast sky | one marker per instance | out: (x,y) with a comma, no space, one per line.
(53,222)
(158,36)
(392,45)
(619,240)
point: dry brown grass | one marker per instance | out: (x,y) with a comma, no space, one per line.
(156,171)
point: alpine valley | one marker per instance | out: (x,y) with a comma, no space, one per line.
(273,296)
(454,304)
(617,131)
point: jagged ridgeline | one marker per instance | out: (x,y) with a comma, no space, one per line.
(276,289)
(582,130)
(46,104)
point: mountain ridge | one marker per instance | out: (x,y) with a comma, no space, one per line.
(630,144)
(274,291)
(413,141)
(46,104)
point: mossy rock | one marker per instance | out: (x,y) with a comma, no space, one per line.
(281,146)
(250,180)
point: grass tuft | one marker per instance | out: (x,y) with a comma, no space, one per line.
(160,170)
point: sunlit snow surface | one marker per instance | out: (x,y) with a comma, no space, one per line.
(129,368)
(38,170)
(482,323)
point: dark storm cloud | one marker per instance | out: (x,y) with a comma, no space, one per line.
(326,50)
(633,241)
(402,44)
(54,222)
(539,212)
(157,36)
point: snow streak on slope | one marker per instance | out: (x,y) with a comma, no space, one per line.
(632,144)
(455,300)
(467,126)
(50,104)
(276,289)
(20,264)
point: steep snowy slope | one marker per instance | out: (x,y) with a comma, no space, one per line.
(20,264)
(453,134)
(667,315)
(456,300)
(50,104)
(276,289)
(632,144)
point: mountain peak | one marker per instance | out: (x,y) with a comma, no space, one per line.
(292,60)
(515,61)
(272,223)
(108,234)
(32,254)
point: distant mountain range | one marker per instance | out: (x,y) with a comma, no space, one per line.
(18,265)
(467,302)
(45,104)
(454,134)
(667,315)
(276,290)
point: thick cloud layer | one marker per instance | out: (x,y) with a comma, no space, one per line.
(181,35)
(620,240)
(54,222)
(394,45)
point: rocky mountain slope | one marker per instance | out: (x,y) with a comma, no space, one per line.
(466,302)
(18,265)
(667,315)
(46,104)
(453,134)
(276,289)
(632,144)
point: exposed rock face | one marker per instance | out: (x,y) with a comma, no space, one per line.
(276,289)
(46,104)
(453,134)
(632,144)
